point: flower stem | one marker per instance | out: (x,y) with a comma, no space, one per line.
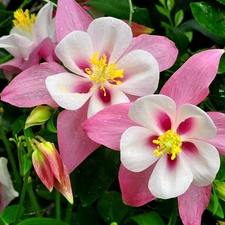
(33,198)
(68,213)
(22,196)
(131,12)
(57,205)
(6,143)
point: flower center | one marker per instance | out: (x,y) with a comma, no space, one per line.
(169,143)
(24,21)
(101,71)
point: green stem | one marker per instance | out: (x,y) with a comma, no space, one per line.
(131,12)
(33,198)
(57,205)
(6,143)
(22,196)
(68,213)
(2,221)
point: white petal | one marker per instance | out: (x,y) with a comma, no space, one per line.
(169,181)
(155,112)
(98,101)
(204,162)
(69,90)
(75,51)
(17,45)
(110,36)
(141,73)
(202,127)
(136,149)
(44,25)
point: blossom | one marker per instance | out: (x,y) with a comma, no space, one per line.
(173,141)
(72,21)
(188,129)
(7,192)
(50,167)
(106,75)
(31,37)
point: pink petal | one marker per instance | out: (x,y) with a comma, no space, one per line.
(75,51)
(218,141)
(107,126)
(136,148)
(45,49)
(141,73)
(74,144)
(98,101)
(70,16)
(110,36)
(134,186)
(201,127)
(193,203)
(163,49)
(170,178)
(203,161)
(69,90)
(189,84)
(155,112)
(11,67)
(28,89)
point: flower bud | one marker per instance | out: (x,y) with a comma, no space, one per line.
(220,189)
(38,116)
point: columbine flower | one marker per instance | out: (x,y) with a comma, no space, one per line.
(106,75)
(170,133)
(7,192)
(50,167)
(74,144)
(173,142)
(31,37)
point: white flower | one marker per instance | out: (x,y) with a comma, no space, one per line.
(7,192)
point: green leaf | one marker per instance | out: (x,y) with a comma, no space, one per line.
(162,10)
(9,215)
(111,207)
(170,4)
(85,216)
(162,2)
(120,9)
(18,125)
(27,164)
(211,207)
(95,175)
(152,218)
(221,1)
(179,16)
(42,221)
(180,39)
(211,16)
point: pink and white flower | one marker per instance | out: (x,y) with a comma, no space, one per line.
(169,142)
(31,37)
(7,192)
(74,144)
(173,141)
(106,74)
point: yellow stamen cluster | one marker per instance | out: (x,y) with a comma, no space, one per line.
(102,72)
(169,143)
(23,20)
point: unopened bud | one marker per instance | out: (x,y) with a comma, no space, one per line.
(38,116)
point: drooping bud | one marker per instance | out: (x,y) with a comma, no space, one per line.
(50,167)
(138,29)
(38,116)
(220,189)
